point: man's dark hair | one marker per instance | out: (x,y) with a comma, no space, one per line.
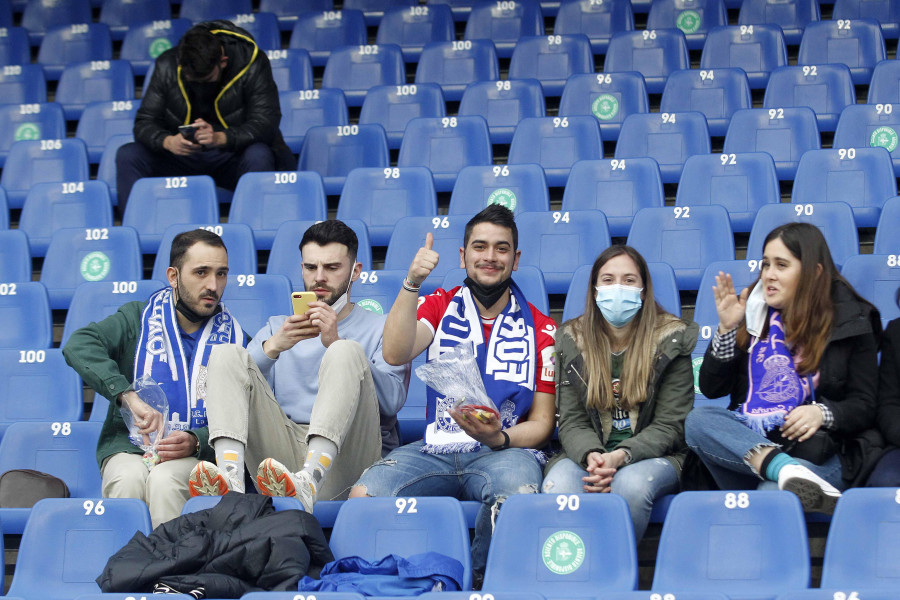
(497,215)
(183,241)
(198,53)
(327,232)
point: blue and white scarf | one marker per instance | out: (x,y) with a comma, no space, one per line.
(506,362)
(160,355)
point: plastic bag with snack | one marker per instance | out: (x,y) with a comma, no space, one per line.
(153,396)
(456,376)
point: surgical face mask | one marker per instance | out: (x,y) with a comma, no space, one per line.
(339,304)
(618,303)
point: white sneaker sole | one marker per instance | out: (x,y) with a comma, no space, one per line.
(812,497)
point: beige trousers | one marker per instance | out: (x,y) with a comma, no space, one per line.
(164,487)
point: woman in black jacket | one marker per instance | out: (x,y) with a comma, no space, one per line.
(797,352)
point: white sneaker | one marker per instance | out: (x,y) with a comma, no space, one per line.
(274,479)
(207,479)
(816,494)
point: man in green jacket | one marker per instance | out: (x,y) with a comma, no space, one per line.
(168,338)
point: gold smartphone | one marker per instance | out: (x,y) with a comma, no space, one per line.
(301,300)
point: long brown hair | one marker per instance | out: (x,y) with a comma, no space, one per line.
(592,333)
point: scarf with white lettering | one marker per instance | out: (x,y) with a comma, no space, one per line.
(160,355)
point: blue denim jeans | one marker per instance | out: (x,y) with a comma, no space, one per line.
(722,443)
(640,483)
(486,476)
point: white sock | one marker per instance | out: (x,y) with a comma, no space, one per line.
(230,458)
(319,459)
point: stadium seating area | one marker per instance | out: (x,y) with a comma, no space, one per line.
(686,128)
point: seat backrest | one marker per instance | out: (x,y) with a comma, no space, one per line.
(597,20)
(455,64)
(665,289)
(121,15)
(653,53)
(503,104)
(302,109)
(207,10)
(445,145)
(864,125)
(22,84)
(517,187)
(886,233)
(291,69)
(93,301)
(887,13)
(40,15)
(687,238)
(412,28)
(25,320)
(529,279)
(53,206)
(321,32)
(857,43)
(877,279)
(252,299)
(80,42)
(785,133)
(884,87)
(716,93)
(392,106)
(556,143)
(100,121)
(714,540)
(45,160)
(791,15)
(357,69)
(610,97)
(409,236)
(238,239)
(263,26)
(106,171)
(34,121)
(144,42)
(334,151)
(743,273)
(693,17)
(94,81)
(504,24)
(756,49)
(14,46)
(376,290)
(827,89)
(668,138)
(545,543)
(551,59)
(374,9)
(741,182)
(285,259)
(15,254)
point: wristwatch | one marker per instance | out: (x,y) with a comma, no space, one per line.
(505,443)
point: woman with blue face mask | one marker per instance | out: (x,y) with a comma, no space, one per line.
(624,387)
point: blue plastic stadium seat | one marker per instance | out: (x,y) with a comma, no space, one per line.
(864,125)
(835,219)
(334,151)
(22,84)
(757,50)
(498,595)
(374,9)
(693,17)
(653,53)
(668,138)
(263,26)
(291,69)
(285,259)
(25,315)
(877,278)
(45,160)
(503,104)
(863,177)
(266,200)
(884,87)
(303,109)
(95,81)
(517,187)
(832,593)
(207,10)
(14,46)
(157,202)
(704,595)
(453,65)
(357,69)
(617,187)
(376,290)
(597,20)
(886,241)
(610,97)
(665,289)
(551,60)
(4,211)
(144,42)
(742,183)
(886,12)
(785,133)
(529,279)
(52,206)
(559,242)
(107,169)
(412,27)
(392,106)
(252,299)
(504,23)
(716,93)
(556,143)
(15,257)
(380,197)
(33,121)
(412,417)
(121,15)
(81,42)
(321,32)
(39,16)
(446,145)
(827,89)
(687,238)
(409,236)
(791,15)
(101,120)
(93,301)
(856,43)
(743,273)
(288,11)
(238,239)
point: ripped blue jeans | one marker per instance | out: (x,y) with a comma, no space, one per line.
(485,476)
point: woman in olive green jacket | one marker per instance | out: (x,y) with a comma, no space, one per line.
(624,387)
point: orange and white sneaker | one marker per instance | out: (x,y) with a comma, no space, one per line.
(207,479)
(274,479)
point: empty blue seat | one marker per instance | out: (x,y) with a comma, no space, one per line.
(665,289)
(884,88)
(618,187)
(551,60)
(856,43)
(412,27)
(529,279)
(52,206)
(238,239)
(832,593)
(717,93)
(885,235)
(303,109)
(357,69)
(285,259)
(107,169)
(503,104)
(653,53)
(743,273)
(374,9)
(791,15)
(455,64)
(757,49)
(886,12)
(263,26)
(504,23)
(266,200)
(610,97)
(321,32)
(334,151)
(445,145)
(742,183)
(22,84)
(82,42)
(291,69)
(121,15)
(392,106)
(835,219)
(693,17)
(38,161)
(25,315)
(556,143)
(207,10)
(157,202)
(409,236)
(93,301)
(668,138)
(94,81)
(863,177)
(39,16)
(559,242)
(827,89)
(785,133)
(380,197)
(375,291)
(15,256)
(36,121)
(144,42)
(461,8)
(864,125)
(252,299)
(687,238)
(100,121)
(14,46)
(597,20)
(517,187)
(877,278)
(288,11)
